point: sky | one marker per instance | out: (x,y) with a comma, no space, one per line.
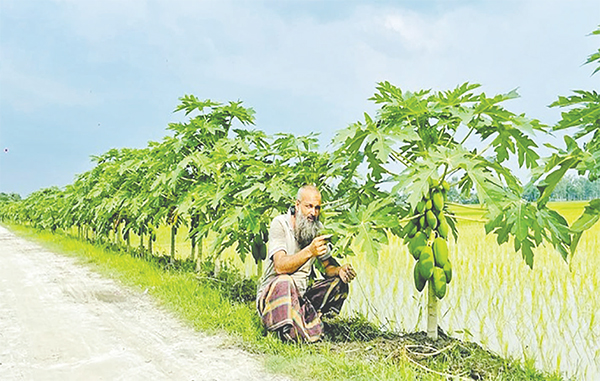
(79,77)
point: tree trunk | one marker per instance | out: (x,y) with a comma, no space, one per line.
(173,234)
(199,255)
(193,252)
(150,244)
(432,312)
(193,224)
(259,268)
(118,234)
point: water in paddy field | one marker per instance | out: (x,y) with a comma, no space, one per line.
(550,313)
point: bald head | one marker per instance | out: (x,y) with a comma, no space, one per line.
(305,190)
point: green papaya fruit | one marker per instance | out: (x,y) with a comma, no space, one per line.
(420,207)
(417,241)
(426,262)
(448,272)
(409,229)
(419,280)
(439,282)
(428,205)
(440,251)
(413,230)
(438,200)
(443,228)
(445,186)
(431,219)
(422,222)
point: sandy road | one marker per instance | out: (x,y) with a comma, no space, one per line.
(61,321)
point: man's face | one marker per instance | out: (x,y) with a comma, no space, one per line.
(310,205)
(308,209)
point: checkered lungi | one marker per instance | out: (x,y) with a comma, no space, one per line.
(297,317)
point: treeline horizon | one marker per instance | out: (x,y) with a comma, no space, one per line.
(570,188)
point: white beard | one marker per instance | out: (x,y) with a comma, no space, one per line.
(306,230)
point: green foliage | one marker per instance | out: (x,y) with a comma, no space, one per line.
(582,148)
(8,197)
(421,139)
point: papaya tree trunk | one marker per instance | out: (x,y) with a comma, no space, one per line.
(432,312)
(259,268)
(118,234)
(199,254)
(193,225)
(193,251)
(173,234)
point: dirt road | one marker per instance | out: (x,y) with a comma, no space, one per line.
(61,321)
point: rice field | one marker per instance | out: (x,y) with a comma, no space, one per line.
(549,315)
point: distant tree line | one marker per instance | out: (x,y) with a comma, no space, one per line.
(570,188)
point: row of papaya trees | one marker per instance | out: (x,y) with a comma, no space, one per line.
(216,175)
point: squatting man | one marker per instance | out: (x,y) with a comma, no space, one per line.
(284,300)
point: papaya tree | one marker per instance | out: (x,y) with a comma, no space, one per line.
(197,173)
(413,147)
(582,149)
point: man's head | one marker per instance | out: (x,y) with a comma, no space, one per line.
(308,210)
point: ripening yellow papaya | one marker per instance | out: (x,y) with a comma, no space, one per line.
(439,282)
(431,219)
(419,280)
(440,251)
(426,262)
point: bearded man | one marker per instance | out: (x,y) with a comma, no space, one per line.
(284,301)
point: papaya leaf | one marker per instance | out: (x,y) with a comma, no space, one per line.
(589,218)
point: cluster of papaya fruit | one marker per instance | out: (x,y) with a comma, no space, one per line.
(426,235)
(259,245)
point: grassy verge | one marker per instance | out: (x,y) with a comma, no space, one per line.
(353,350)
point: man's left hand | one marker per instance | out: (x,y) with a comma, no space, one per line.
(347,273)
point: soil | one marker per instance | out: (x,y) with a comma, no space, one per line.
(61,321)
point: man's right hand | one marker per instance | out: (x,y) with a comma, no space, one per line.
(318,246)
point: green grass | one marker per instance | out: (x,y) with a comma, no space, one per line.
(339,357)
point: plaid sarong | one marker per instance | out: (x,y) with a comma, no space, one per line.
(295,317)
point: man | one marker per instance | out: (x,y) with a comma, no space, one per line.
(285,302)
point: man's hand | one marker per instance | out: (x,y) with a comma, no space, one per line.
(318,246)
(347,273)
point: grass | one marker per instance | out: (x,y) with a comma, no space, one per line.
(355,348)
